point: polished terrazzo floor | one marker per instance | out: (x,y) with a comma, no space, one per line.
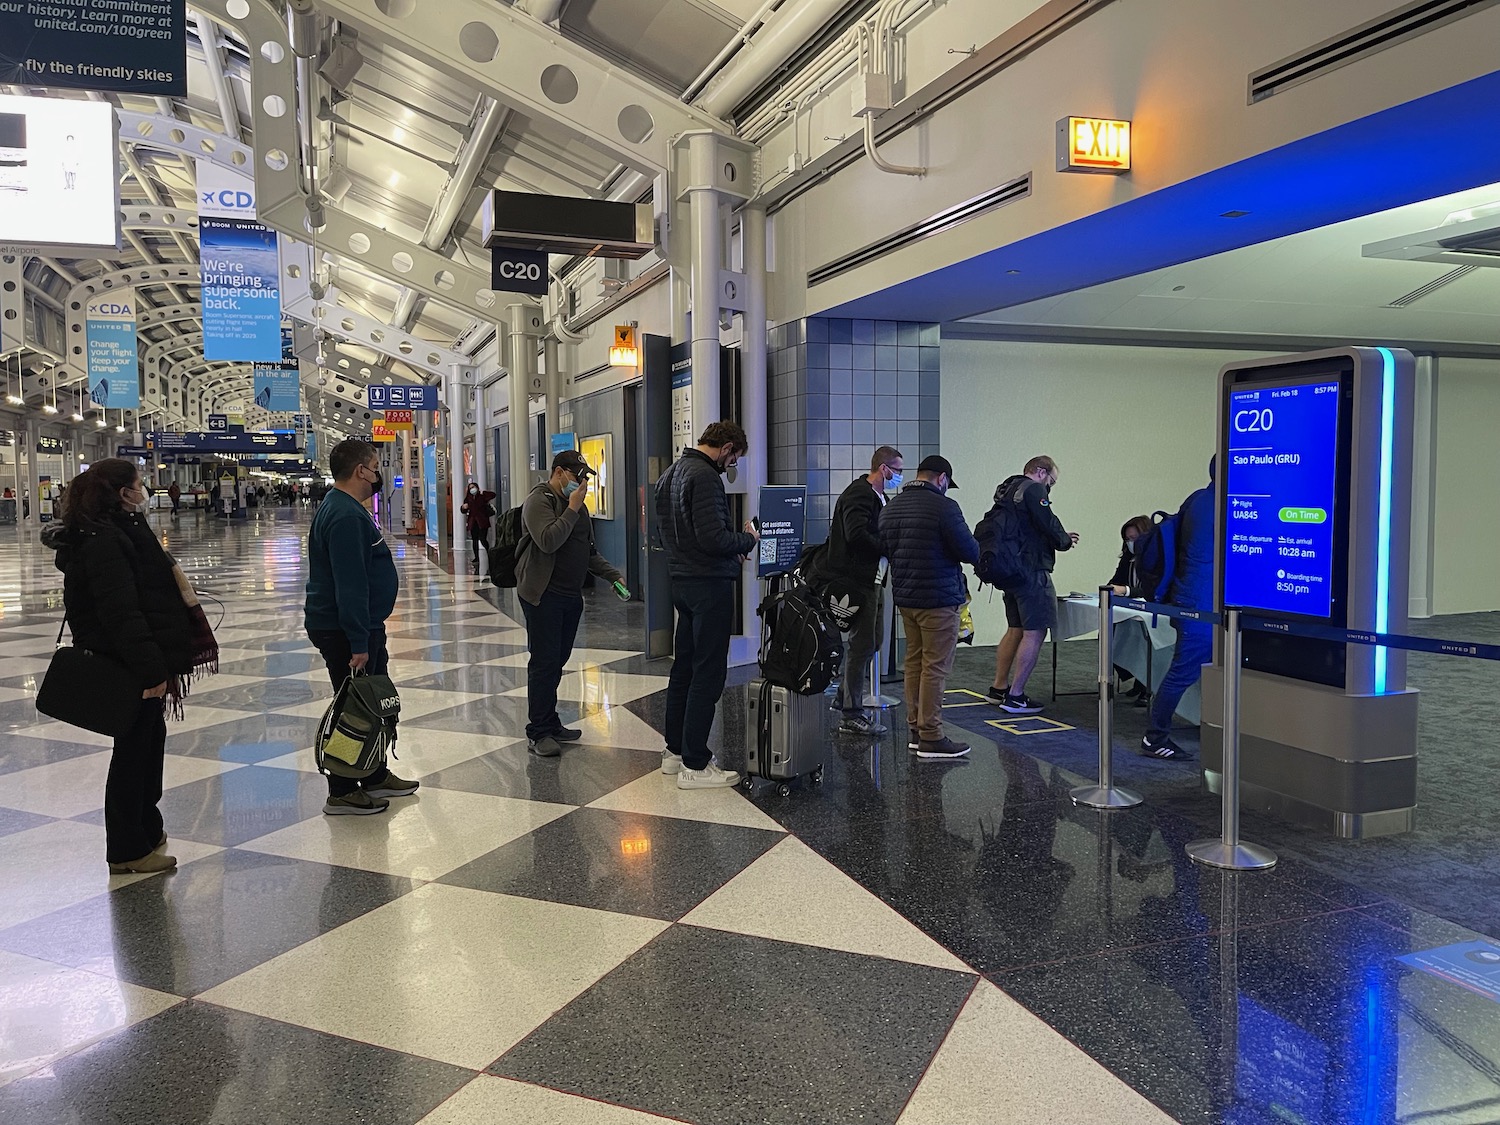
(577,941)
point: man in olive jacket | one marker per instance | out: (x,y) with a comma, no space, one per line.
(556,552)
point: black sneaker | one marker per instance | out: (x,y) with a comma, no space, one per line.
(913,739)
(545,747)
(860,724)
(997,695)
(567,734)
(1162,746)
(1020,705)
(942,748)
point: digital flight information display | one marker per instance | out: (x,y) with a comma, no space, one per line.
(1281,489)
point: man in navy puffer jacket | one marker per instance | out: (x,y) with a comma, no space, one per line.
(927,540)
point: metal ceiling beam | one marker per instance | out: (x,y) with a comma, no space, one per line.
(167,314)
(229,114)
(153,218)
(527,65)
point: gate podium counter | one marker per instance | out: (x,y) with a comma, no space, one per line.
(1313,526)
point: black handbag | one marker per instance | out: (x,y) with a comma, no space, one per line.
(84,689)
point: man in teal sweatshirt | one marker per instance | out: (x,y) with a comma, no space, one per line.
(351,589)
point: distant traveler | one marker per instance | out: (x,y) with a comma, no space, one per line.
(1192,587)
(1128,582)
(478,509)
(557,551)
(854,559)
(124,600)
(924,535)
(703,556)
(174,494)
(1030,608)
(351,589)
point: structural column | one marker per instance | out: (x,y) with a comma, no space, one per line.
(755,466)
(1423,488)
(453,382)
(522,368)
(551,361)
(481,475)
(708,260)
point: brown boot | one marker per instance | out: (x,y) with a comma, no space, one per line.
(148,864)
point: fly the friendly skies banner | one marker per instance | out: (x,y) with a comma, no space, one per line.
(113,361)
(241,271)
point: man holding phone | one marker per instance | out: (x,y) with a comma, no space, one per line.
(556,552)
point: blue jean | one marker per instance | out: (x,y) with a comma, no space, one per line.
(551,627)
(1195,648)
(333,646)
(700,663)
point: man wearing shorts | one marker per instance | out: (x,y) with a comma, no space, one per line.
(1031,607)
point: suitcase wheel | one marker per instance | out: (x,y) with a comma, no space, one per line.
(784,789)
(817,776)
(747,783)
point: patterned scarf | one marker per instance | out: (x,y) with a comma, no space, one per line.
(205,648)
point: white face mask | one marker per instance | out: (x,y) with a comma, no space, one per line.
(141,505)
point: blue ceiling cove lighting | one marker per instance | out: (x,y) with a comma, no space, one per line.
(1383,556)
(1415,151)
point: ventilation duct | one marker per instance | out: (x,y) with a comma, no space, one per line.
(1406,22)
(1018,188)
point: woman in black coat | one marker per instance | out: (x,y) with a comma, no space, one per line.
(124,599)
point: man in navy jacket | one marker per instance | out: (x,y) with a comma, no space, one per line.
(1192,588)
(927,541)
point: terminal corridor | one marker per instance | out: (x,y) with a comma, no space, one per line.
(576,940)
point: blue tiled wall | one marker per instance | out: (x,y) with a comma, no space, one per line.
(840,388)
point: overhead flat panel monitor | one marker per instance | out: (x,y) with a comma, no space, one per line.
(59,184)
(559,224)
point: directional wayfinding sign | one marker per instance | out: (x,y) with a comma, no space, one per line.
(218,423)
(414,396)
(518,271)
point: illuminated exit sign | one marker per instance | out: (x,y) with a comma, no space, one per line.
(1093,144)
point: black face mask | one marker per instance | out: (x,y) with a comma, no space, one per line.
(378,484)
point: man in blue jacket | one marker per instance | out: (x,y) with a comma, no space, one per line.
(924,536)
(351,589)
(703,556)
(1192,588)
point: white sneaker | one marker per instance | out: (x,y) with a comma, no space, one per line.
(709,777)
(670,763)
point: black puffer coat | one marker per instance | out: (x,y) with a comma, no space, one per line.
(927,541)
(120,596)
(692,517)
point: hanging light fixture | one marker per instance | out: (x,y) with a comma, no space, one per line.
(78,410)
(13,397)
(120,429)
(51,407)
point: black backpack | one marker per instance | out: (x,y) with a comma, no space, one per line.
(1156,557)
(1002,538)
(800,648)
(508,536)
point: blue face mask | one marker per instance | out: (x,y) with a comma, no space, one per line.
(895,481)
(570,488)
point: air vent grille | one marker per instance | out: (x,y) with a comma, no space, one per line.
(1432,286)
(1406,22)
(956,215)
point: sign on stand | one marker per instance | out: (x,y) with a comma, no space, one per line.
(783,528)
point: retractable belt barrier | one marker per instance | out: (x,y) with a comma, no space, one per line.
(1227,852)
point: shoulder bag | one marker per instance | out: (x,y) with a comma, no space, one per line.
(87,690)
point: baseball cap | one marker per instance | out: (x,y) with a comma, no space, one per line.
(573,461)
(935,465)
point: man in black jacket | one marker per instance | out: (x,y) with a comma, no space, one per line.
(1031,608)
(704,553)
(852,563)
(925,537)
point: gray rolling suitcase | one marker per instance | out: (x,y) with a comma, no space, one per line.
(788,736)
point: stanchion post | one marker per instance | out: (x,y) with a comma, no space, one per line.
(1106,795)
(1229,852)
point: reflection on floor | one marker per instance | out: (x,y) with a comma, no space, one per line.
(577,941)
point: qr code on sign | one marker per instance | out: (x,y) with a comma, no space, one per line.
(768,550)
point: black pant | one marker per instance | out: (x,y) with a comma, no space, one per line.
(132,822)
(700,662)
(551,626)
(335,650)
(480,542)
(860,644)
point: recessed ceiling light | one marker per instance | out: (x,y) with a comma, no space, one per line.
(1234,214)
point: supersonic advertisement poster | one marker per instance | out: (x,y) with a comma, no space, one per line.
(240,269)
(58,182)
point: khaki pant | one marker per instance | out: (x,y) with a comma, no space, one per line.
(931,640)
